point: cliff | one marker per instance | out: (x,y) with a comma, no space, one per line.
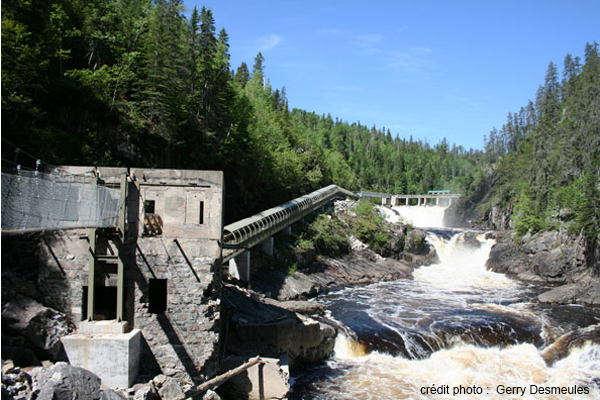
(554,258)
(548,258)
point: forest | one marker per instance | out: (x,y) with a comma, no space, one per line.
(139,83)
(544,163)
(143,83)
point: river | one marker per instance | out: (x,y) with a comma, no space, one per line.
(455,331)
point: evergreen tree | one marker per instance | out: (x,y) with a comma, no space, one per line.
(242,75)
(258,71)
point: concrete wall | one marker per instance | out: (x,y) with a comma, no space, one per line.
(182,341)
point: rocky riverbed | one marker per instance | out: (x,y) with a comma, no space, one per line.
(405,249)
(548,258)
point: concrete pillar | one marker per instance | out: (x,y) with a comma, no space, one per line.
(419,201)
(239,267)
(267,245)
(102,348)
(287,230)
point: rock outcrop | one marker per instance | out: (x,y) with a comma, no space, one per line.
(361,266)
(548,258)
(41,326)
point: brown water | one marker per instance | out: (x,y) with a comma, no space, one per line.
(455,331)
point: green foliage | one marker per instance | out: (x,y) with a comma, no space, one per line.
(527,216)
(329,234)
(138,82)
(326,236)
(368,226)
(545,158)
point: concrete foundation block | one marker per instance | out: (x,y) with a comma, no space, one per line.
(113,357)
(108,326)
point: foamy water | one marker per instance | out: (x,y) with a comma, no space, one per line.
(461,268)
(455,331)
(487,372)
(421,216)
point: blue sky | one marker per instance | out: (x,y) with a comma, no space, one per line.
(430,69)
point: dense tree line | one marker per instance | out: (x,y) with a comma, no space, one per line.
(137,82)
(546,158)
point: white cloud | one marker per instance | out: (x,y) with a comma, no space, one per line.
(368,43)
(268,42)
(369,39)
(420,50)
(334,31)
(409,60)
(412,60)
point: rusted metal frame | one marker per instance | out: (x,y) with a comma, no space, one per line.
(122,249)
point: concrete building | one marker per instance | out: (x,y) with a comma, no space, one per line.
(144,297)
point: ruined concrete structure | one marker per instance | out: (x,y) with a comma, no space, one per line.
(161,278)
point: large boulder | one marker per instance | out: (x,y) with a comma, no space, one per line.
(588,294)
(40,325)
(394,245)
(62,381)
(415,241)
(547,257)
(171,390)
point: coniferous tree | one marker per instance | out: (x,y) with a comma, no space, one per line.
(242,75)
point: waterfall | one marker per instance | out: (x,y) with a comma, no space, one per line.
(456,330)
(421,216)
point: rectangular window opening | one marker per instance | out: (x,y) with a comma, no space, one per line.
(152,221)
(201,219)
(149,206)
(157,296)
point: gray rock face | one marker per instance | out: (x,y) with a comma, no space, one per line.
(362,266)
(395,241)
(415,241)
(146,392)
(41,326)
(573,293)
(259,325)
(548,258)
(62,381)
(171,390)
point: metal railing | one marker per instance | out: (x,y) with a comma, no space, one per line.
(248,232)
(378,195)
(431,196)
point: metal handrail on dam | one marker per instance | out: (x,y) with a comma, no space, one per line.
(248,232)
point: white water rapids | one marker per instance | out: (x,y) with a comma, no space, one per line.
(456,331)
